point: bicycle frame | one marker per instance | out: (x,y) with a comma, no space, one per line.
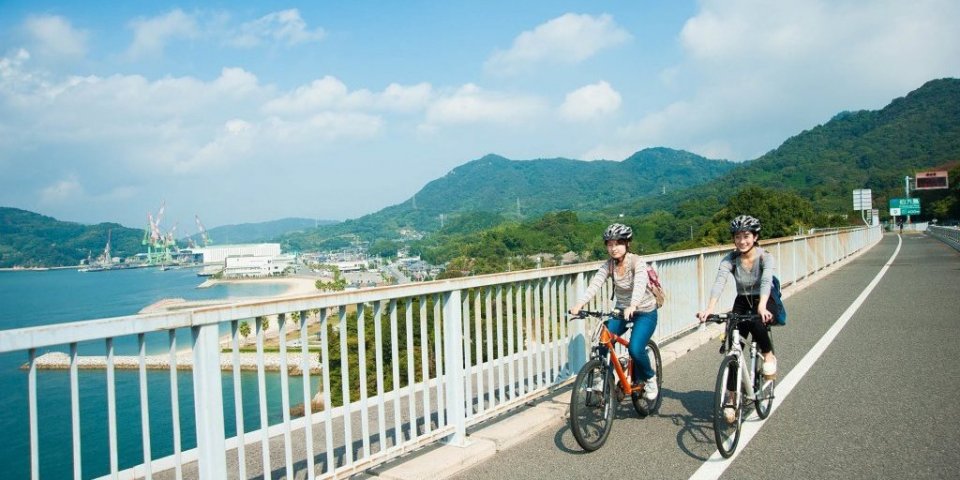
(603,336)
(734,346)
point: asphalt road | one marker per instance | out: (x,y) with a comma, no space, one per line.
(882,401)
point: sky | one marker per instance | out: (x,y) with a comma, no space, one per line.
(247,111)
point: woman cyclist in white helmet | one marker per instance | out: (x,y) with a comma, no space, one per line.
(752,269)
(630,281)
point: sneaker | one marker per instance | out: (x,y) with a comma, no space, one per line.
(650,389)
(730,414)
(597,384)
(770,368)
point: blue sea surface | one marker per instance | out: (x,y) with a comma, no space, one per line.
(33,298)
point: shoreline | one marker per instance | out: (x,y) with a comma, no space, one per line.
(248,362)
(295,286)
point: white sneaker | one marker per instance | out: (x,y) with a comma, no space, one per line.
(597,384)
(730,414)
(650,389)
(770,368)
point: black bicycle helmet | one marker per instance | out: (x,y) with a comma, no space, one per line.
(745,223)
(618,231)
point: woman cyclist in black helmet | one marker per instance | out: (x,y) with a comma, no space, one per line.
(630,280)
(753,269)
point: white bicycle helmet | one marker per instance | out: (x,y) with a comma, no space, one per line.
(618,231)
(745,223)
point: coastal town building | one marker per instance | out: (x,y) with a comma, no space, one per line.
(257,266)
(217,254)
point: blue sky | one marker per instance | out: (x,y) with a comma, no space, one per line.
(252,111)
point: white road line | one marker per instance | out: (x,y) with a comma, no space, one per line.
(716,464)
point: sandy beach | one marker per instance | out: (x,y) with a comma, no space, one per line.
(295,286)
(248,362)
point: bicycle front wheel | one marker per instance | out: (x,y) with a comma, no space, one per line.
(641,403)
(763,389)
(592,406)
(727,414)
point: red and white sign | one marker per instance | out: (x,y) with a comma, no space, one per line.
(932,180)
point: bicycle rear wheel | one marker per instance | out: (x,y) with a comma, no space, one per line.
(591,405)
(763,390)
(641,404)
(727,433)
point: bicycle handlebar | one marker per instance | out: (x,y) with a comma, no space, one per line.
(617,313)
(737,317)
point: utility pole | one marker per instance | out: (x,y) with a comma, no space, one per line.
(906,191)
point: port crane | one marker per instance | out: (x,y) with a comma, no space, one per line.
(158,244)
(203,232)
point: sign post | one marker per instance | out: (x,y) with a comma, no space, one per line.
(863,201)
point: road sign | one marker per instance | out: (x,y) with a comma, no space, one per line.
(932,180)
(904,206)
(862,199)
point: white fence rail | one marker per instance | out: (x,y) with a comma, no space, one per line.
(948,235)
(443,356)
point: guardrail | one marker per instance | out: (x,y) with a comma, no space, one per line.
(445,355)
(948,235)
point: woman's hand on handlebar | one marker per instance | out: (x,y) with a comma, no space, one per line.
(765,314)
(575,310)
(703,315)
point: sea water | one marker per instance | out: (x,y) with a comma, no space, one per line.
(32,298)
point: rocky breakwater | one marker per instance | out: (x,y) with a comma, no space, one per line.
(248,362)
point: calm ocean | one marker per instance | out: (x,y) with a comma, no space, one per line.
(58,296)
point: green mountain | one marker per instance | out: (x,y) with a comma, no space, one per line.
(854,150)
(32,240)
(260,232)
(504,189)
(807,182)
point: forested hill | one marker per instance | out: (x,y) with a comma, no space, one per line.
(864,149)
(520,189)
(32,240)
(260,232)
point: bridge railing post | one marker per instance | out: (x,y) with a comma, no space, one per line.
(578,343)
(453,368)
(208,403)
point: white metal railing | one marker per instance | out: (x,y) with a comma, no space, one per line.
(445,355)
(948,235)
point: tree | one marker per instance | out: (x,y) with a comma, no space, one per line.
(338,284)
(781,213)
(244,329)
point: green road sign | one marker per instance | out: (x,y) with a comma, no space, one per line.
(904,206)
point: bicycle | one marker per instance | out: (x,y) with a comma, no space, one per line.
(750,384)
(597,383)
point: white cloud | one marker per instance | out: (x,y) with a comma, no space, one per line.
(61,191)
(590,102)
(759,72)
(54,36)
(471,104)
(285,27)
(329,93)
(568,39)
(150,36)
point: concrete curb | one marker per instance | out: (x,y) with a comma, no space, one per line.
(444,461)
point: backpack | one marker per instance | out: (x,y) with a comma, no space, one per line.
(654,286)
(780,313)
(653,283)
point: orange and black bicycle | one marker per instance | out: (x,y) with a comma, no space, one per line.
(604,381)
